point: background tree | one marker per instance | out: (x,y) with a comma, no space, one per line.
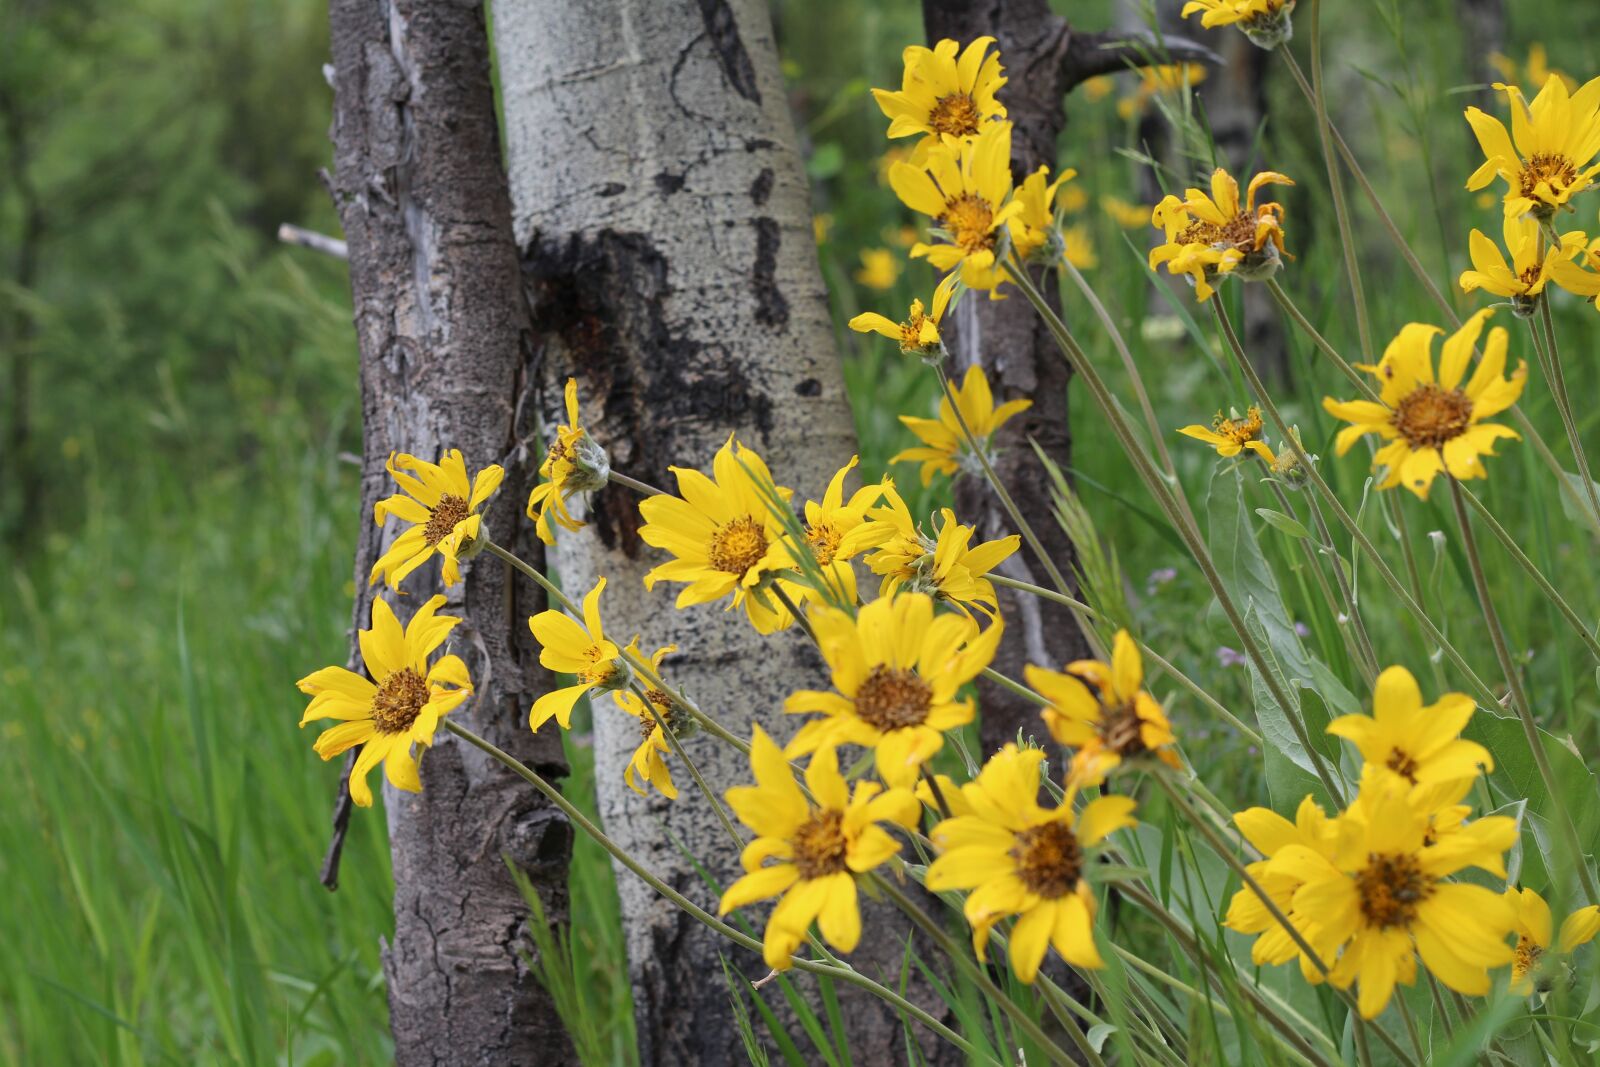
(664,222)
(443,334)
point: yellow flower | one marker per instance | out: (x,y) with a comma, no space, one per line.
(944,445)
(879,268)
(1071,199)
(1382,899)
(1034,222)
(443,510)
(944,97)
(402,704)
(1533,925)
(1546,159)
(1422,744)
(1579,278)
(580,649)
(723,534)
(1127,215)
(946,565)
(1232,435)
(1103,712)
(1537,72)
(1209,236)
(819,845)
(829,525)
(573,463)
(821,226)
(1533,262)
(1098,88)
(1153,81)
(919,333)
(1269,833)
(967,192)
(949,792)
(649,765)
(897,670)
(1020,858)
(1237,11)
(1432,425)
(1078,247)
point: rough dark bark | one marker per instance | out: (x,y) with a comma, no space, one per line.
(663,215)
(1483,32)
(443,332)
(1013,346)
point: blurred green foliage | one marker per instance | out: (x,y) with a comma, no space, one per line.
(176,392)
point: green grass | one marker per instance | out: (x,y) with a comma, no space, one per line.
(164,816)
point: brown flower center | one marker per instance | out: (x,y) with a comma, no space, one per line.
(1120,730)
(737,546)
(1555,171)
(1429,415)
(1238,233)
(955,114)
(1049,861)
(600,670)
(969,220)
(399,699)
(824,540)
(446,513)
(911,332)
(819,844)
(891,698)
(1402,764)
(1390,887)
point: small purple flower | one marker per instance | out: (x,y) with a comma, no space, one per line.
(1302,630)
(1227,657)
(1159,578)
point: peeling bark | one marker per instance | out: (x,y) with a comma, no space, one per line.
(443,336)
(663,217)
(1014,348)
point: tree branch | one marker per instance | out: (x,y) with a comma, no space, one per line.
(1112,51)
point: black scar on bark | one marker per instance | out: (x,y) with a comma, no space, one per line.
(597,302)
(761,188)
(669,182)
(772,308)
(723,31)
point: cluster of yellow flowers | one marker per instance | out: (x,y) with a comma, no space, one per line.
(1367,890)
(1356,897)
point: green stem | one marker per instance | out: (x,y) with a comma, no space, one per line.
(1341,209)
(1558,389)
(1481,691)
(642,488)
(980,451)
(1227,856)
(1356,634)
(840,972)
(1151,654)
(1180,518)
(1519,696)
(980,976)
(1317,339)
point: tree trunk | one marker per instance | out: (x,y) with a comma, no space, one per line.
(443,335)
(1010,341)
(1483,32)
(663,217)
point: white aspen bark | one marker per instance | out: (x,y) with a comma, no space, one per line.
(664,220)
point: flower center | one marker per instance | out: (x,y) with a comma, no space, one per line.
(1049,860)
(1120,730)
(1403,765)
(1239,233)
(1391,886)
(955,114)
(969,220)
(601,668)
(911,332)
(1428,416)
(824,540)
(819,845)
(1555,172)
(1239,431)
(737,546)
(1526,959)
(446,513)
(399,699)
(891,698)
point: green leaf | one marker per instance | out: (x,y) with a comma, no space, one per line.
(1286,523)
